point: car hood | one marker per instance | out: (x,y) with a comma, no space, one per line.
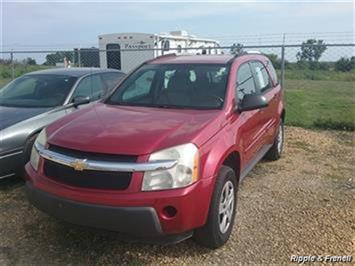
(13,115)
(131,130)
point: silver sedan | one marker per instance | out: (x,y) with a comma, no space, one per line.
(34,100)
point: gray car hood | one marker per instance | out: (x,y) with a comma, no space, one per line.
(12,115)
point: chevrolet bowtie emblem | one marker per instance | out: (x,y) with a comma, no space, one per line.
(79,165)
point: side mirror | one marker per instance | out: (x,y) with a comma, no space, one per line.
(252,102)
(79,100)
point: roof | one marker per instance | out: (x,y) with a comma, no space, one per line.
(192,59)
(75,71)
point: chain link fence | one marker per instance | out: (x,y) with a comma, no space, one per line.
(319,79)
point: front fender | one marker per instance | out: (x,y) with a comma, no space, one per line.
(215,152)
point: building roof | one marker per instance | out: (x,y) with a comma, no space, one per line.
(192,59)
(75,71)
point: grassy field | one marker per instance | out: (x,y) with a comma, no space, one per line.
(315,98)
(320,104)
(19,69)
(306,74)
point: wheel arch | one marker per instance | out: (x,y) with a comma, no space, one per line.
(283,115)
(232,160)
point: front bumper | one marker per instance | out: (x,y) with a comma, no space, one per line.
(131,211)
(142,221)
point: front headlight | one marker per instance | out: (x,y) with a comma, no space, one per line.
(184,173)
(42,141)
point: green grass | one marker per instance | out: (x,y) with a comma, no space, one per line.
(4,81)
(19,69)
(320,104)
(306,74)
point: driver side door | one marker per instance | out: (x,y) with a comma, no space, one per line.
(250,127)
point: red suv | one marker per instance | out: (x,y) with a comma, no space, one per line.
(163,155)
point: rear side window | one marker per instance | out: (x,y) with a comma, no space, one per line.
(272,72)
(245,82)
(262,79)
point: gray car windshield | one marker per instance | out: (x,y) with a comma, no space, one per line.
(42,90)
(190,86)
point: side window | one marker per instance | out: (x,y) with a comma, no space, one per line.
(261,76)
(140,87)
(111,79)
(245,82)
(166,45)
(91,86)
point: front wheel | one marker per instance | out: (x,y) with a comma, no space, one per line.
(218,228)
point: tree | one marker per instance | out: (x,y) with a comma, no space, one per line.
(311,50)
(237,48)
(58,57)
(276,62)
(29,61)
(345,64)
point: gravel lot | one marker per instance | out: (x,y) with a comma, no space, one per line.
(302,204)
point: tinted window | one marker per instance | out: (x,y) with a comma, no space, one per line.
(91,86)
(141,86)
(261,76)
(193,86)
(272,72)
(37,91)
(245,82)
(111,79)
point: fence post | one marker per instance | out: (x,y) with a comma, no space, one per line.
(282,66)
(73,58)
(12,65)
(283,61)
(79,60)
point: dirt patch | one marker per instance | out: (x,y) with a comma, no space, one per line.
(302,204)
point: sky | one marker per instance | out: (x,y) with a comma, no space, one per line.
(35,25)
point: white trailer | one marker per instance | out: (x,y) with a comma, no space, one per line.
(125,51)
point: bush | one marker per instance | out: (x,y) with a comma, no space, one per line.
(345,64)
(276,62)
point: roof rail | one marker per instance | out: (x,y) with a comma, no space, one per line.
(244,53)
(253,52)
(165,55)
(160,56)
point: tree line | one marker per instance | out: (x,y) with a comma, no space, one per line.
(307,57)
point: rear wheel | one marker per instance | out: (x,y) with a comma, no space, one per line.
(218,228)
(276,149)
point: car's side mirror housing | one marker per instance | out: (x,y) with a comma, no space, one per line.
(252,102)
(79,100)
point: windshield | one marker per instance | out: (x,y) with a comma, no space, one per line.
(37,91)
(191,86)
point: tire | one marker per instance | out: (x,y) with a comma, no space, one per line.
(213,234)
(28,148)
(275,151)
(26,154)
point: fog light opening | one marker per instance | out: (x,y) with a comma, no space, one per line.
(169,212)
